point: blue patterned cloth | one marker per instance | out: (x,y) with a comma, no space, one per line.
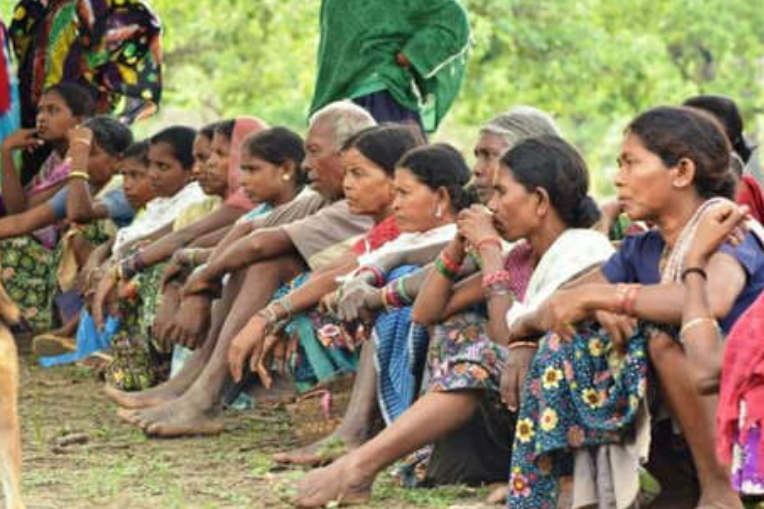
(577,394)
(401,352)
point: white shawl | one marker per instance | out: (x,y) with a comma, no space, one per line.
(408,242)
(573,251)
(159,213)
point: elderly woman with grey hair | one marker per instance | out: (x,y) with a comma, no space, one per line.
(499,135)
(476,452)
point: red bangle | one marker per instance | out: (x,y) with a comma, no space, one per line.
(500,276)
(493,241)
(379,276)
(450,264)
(630,299)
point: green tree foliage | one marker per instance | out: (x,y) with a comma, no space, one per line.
(593,64)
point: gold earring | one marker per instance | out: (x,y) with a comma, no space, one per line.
(286,178)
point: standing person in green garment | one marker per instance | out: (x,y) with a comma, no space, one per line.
(401,60)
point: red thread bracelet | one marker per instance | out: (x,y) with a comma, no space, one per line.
(493,241)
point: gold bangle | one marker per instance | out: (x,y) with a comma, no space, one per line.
(695,322)
(521,344)
(78,175)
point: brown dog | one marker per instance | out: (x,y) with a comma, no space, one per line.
(10,435)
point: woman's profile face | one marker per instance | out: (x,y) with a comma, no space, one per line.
(261,180)
(514,207)
(643,182)
(415,205)
(488,151)
(367,188)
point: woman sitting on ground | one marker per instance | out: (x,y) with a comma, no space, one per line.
(467,352)
(61,108)
(674,164)
(31,268)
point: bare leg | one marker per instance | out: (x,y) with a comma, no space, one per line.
(177,385)
(68,330)
(196,411)
(695,414)
(350,478)
(357,426)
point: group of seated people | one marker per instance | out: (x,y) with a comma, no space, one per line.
(498,324)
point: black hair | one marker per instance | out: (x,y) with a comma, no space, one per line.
(277,145)
(181,139)
(673,133)
(225,128)
(726,112)
(138,151)
(78,99)
(441,165)
(208,131)
(550,163)
(384,145)
(111,135)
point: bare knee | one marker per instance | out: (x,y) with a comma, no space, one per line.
(663,350)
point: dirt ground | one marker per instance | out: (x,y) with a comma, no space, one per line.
(79,455)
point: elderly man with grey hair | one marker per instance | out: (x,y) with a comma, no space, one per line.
(309,232)
(499,135)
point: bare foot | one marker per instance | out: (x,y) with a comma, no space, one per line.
(129,415)
(719,495)
(318,453)
(181,417)
(342,482)
(162,393)
(143,399)
(730,502)
(498,495)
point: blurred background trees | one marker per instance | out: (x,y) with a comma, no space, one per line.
(592,64)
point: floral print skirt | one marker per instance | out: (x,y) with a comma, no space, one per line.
(29,277)
(579,393)
(462,356)
(29,273)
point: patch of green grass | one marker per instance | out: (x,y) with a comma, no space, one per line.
(387,490)
(260,464)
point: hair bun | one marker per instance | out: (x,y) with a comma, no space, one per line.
(586,214)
